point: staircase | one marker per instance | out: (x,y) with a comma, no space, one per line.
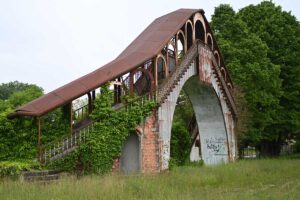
(60,148)
(167,85)
(45,176)
(80,135)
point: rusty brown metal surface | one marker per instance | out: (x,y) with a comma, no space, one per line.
(148,44)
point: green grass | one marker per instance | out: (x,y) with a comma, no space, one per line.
(246,179)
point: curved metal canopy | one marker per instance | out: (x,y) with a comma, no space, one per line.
(148,44)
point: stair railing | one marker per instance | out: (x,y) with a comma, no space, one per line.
(68,143)
(166,86)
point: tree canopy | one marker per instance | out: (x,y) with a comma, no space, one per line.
(19,136)
(260,44)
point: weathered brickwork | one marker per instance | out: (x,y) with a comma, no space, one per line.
(149,145)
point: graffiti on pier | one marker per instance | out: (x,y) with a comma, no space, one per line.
(165,154)
(216,145)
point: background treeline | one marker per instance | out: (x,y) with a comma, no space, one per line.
(18,137)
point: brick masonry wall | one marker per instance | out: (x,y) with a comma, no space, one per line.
(150,150)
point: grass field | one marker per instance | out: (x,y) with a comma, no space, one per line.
(249,179)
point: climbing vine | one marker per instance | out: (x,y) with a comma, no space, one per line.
(110,130)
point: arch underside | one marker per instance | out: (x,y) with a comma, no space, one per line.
(210,121)
(211,114)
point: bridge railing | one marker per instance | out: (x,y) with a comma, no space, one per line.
(80,114)
(68,143)
(61,147)
(228,93)
(166,86)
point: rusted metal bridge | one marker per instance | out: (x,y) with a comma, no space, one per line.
(176,51)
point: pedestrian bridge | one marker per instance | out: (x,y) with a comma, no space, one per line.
(175,52)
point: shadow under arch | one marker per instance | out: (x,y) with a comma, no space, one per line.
(210,121)
(209,117)
(130,154)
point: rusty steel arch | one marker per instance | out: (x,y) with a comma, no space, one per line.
(145,72)
(169,56)
(189,33)
(165,67)
(217,56)
(210,41)
(199,18)
(182,40)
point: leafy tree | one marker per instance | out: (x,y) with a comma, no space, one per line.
(180,137)
(246,56)
(261,50)
(281,32)
(19,136)
(180,143)
(19,98)
(7,89)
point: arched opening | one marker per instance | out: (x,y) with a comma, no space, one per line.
(189,34)
(209,41)
(130,155)
(229,86)
(141,81)
(224,73)
(212,142)
(180,46)
(217,57)
(199,31)
(182,132)
(171,58)
(161,69)
(193,136)
(207,106)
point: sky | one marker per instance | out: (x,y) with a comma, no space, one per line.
(52,42)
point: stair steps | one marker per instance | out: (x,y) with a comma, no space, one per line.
(45,176)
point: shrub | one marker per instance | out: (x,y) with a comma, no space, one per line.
(14,168)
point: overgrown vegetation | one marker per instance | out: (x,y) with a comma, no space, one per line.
(255,179)
(260,45)
(180,137)
(13,168)
(110,130)
(19,136)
